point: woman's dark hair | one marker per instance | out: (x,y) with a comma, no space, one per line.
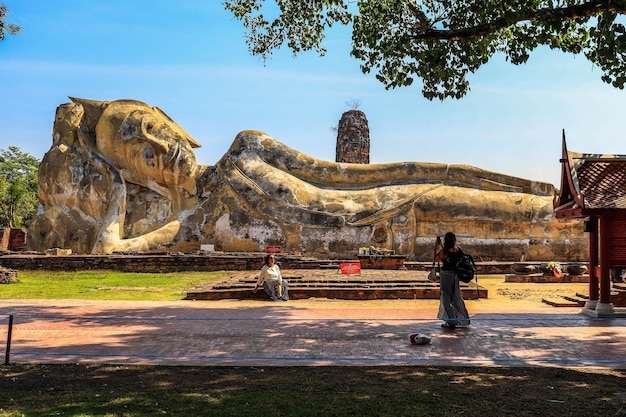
(449,240)
(267,258)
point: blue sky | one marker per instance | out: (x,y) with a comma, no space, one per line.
(190,59)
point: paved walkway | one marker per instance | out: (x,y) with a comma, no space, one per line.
(306,332)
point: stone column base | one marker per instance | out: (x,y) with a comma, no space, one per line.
(605,308)
(591,304)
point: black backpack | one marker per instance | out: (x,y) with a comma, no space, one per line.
(466,268)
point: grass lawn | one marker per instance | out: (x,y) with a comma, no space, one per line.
(132,391)
(105,285)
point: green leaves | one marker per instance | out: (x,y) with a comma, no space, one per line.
(607,49)
(18,187)
(299,24)
(441,42)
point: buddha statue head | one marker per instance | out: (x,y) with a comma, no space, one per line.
(143,142)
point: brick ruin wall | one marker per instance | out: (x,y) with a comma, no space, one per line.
(353,138)
(180,262)
(12,239)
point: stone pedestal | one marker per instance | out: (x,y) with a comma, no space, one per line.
(8,275)
(382,262)
(576,269)
(605,308)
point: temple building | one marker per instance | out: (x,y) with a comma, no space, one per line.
(593,190)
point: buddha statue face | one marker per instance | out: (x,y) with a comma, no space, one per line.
(146,145)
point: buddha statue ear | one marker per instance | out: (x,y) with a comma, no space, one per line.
(92,109)
(192,142)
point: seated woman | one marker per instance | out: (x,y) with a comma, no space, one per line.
(272,280)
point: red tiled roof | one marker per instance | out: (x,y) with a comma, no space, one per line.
(602,182)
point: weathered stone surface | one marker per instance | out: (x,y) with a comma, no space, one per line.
(117,177)
(523,268)
(121,176)
(8,276)
(353,138)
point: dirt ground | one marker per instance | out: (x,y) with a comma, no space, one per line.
(501,291)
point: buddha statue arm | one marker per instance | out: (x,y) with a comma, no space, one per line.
(251,145)
(109,242)
(110,239)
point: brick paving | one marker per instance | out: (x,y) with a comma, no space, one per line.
(306,333)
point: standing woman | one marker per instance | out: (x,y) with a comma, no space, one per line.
(272,280)
(451,307)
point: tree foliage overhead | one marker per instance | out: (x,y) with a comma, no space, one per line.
(18,187)
(440,42)
(5,27)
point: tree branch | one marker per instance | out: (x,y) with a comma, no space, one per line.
(565,13)
(424,24)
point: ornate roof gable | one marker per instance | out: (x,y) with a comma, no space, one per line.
(590,183)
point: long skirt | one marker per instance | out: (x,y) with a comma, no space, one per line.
(271,288)
(451,305)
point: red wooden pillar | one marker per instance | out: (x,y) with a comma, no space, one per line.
(594,291)
(605,261)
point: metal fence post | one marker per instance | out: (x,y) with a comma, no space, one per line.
(8,350)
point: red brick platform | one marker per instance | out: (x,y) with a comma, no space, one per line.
(370,284)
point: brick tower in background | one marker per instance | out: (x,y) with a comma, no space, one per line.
(353,138)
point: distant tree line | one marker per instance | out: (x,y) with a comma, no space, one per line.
(18,187)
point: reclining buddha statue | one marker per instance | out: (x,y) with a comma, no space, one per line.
(121,176)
